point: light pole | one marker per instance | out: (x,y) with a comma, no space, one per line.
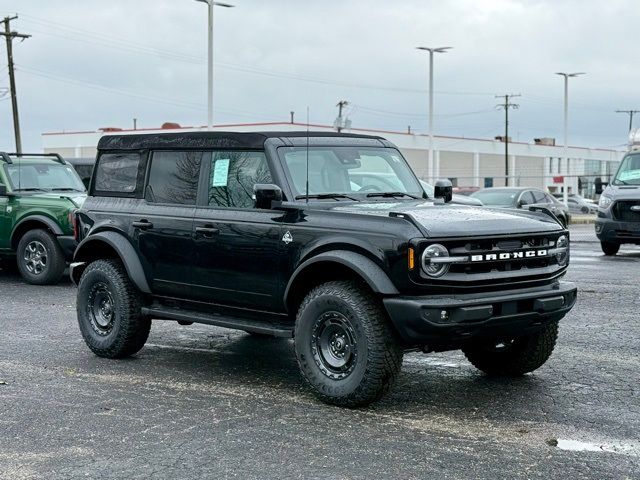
(431,51)
(565,195)
(211,4)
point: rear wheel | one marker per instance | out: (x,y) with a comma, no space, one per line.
(109,311)
(514,356)
(40,259)
(610,248)
(346,349)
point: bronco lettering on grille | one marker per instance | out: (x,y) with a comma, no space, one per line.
(489,257)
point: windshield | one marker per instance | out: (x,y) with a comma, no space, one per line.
(43,176)
(497,198)
(629,171)
(349,172)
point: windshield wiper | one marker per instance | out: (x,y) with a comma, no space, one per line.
(66,189)
(321,196)
(617,181)
(392,194)
(30,189)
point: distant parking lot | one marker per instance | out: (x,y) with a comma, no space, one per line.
(204,402)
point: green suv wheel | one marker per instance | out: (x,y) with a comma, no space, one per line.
(40,259)
(109,311)
(346,349)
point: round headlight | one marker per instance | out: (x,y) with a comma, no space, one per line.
(431,252)
(563,257)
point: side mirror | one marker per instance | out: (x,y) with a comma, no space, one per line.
(266,195)
(443,189)
(3,190)
(521,203)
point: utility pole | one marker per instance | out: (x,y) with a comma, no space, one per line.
(630,113)
(339,123)
(135,123)
(292,113)
(9,36)
(507,105)
(431,51)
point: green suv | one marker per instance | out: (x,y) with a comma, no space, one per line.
(38,196)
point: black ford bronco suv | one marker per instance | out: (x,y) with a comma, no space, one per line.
(324,238)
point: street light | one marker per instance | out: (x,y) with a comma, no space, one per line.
(211,4)
(565,195)
(431,51)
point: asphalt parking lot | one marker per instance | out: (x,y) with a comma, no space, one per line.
(203,402)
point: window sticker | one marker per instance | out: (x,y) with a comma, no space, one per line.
(220,173)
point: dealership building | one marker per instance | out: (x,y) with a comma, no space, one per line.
(468,162)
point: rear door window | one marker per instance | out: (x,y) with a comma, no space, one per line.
(173,177)
(117,173)
(539,197)
(526,198)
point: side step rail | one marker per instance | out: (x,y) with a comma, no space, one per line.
(246,324)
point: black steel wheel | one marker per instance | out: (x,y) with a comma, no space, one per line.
(109,311)
(346,348)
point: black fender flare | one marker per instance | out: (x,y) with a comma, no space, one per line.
(125,251)
(51,225)
(363,266)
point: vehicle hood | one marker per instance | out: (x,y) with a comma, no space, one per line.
(76,198)
(446,220)
(623,192)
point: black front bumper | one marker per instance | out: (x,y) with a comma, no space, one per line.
(449,322)
(68,245)
(616,231)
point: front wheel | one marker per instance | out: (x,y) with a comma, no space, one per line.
(610,248)
(345,346)
(40,259)
(515,356)
(109,311)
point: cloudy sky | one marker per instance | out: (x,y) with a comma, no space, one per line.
(92,64)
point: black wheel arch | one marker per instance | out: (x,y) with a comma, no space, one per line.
(332,265)
(110,244)
(33,222)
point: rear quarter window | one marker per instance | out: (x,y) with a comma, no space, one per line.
(117,173)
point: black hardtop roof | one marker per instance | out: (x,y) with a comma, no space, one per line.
(250,140)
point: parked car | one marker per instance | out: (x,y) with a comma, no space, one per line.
(456,198)
(38,195)
(578,204)
(618,220)
(273,233)
(523,198)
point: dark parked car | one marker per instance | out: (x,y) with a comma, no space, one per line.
(523,198)
(293,235)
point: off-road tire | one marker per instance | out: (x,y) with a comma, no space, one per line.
(128,329)
(524,355)
(55,264)
(610,248)
(378,358)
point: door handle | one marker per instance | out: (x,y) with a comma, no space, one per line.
(207,231)
(142,224)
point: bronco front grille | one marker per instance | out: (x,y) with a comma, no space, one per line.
(626,210)
(498,261)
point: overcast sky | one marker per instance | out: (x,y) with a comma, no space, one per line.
(92,64)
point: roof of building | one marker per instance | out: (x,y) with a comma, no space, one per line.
(251,140)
